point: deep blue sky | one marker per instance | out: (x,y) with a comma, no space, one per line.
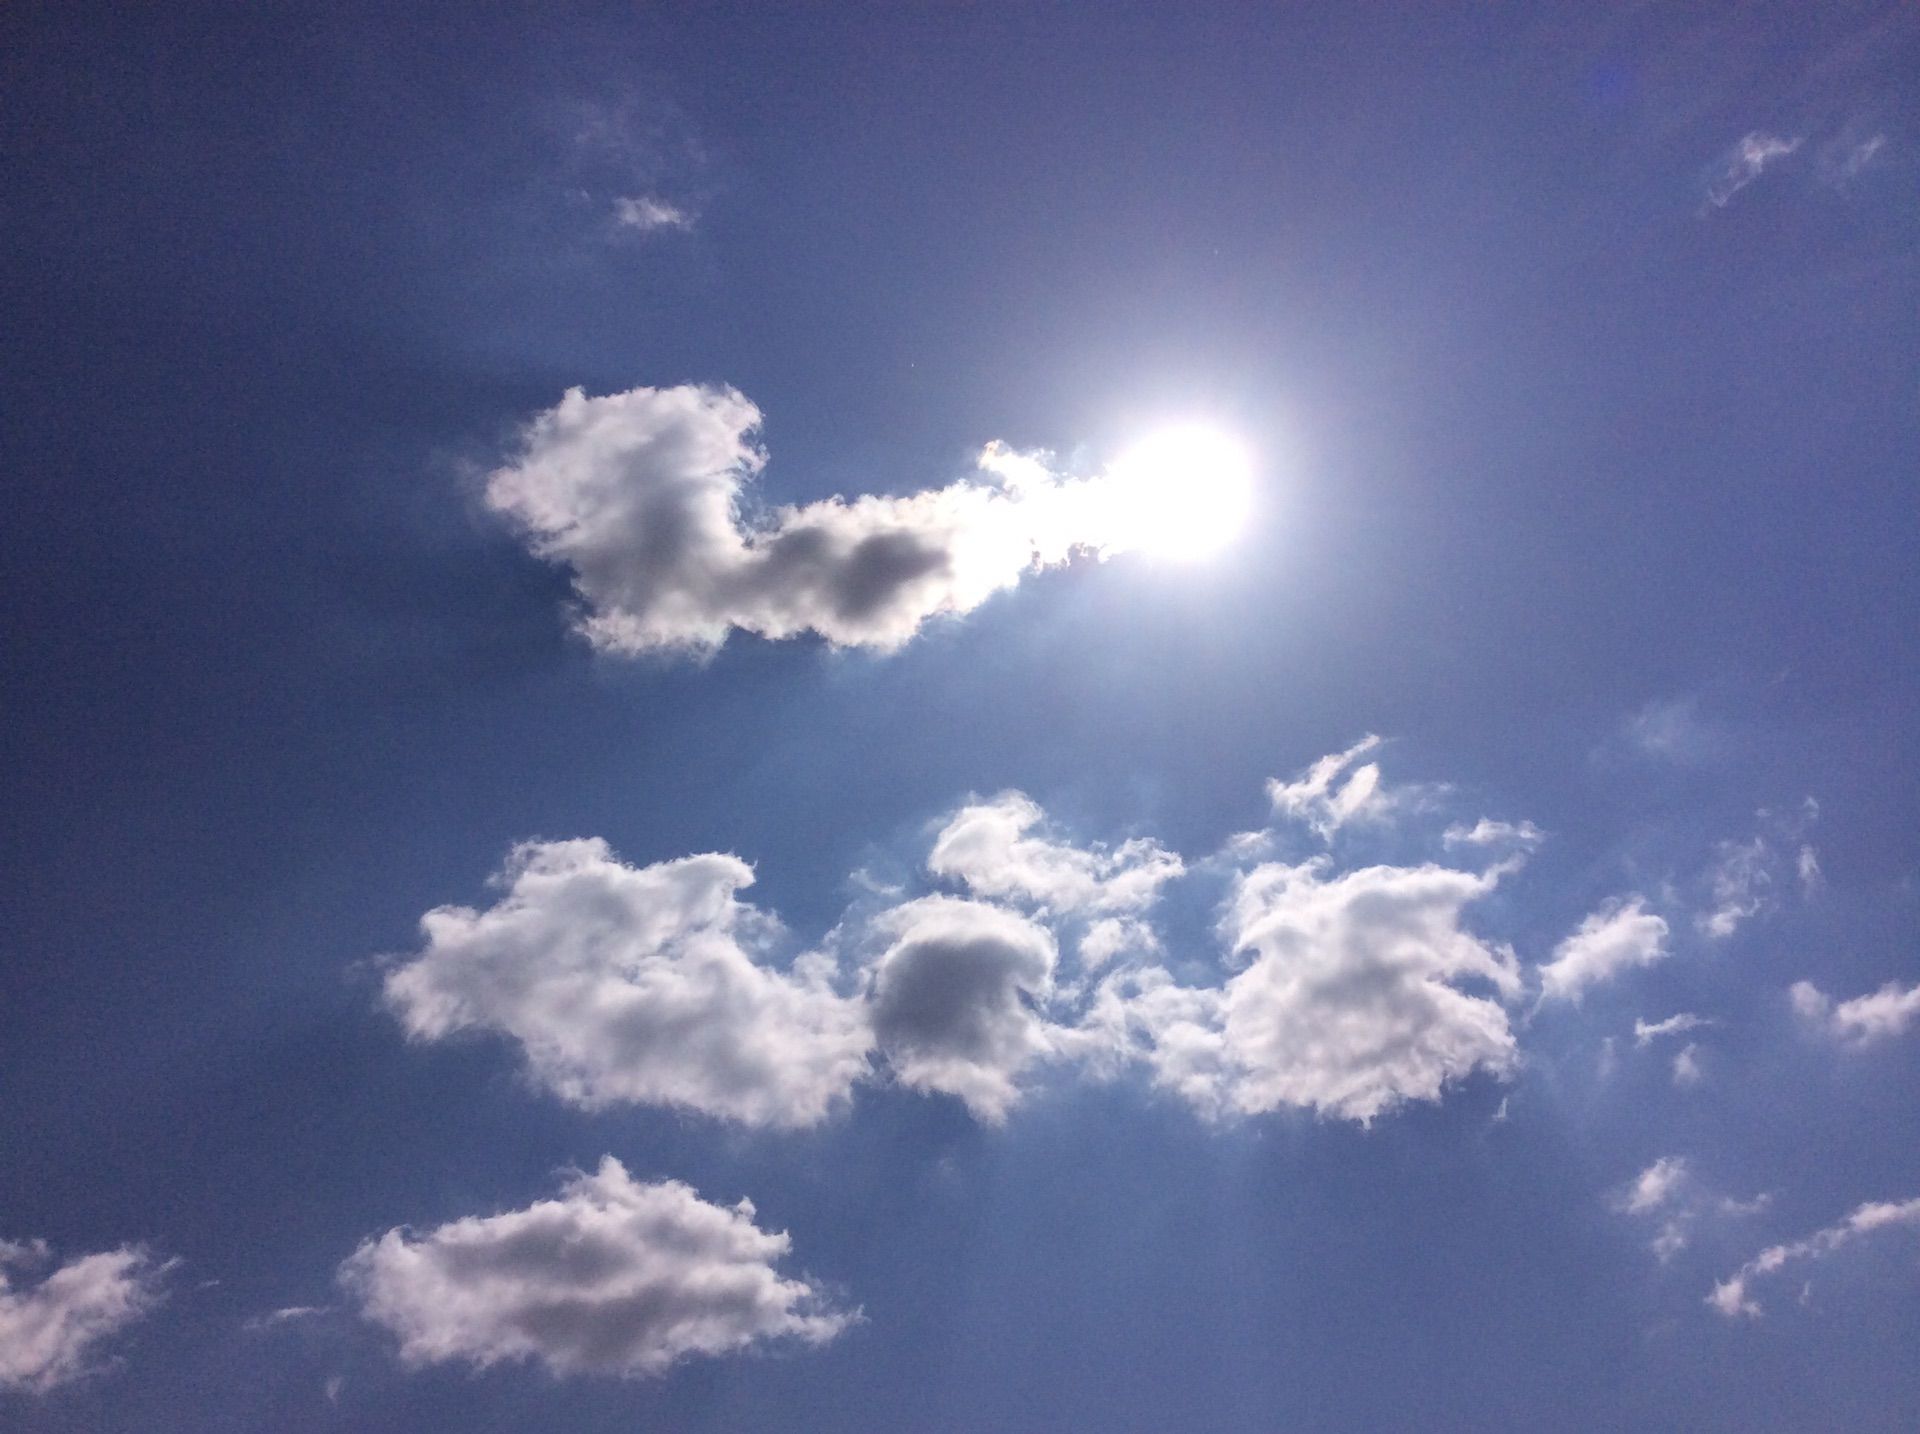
(1596,497)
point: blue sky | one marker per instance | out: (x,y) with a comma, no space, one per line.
(620,813)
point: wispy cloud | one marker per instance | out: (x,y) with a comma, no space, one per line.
(647,214)
(52,1328)
(1749,158)
(1733,1296)
(1863,1020)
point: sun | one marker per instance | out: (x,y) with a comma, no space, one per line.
(1182,493)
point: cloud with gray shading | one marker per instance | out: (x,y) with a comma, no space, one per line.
(613,1276)
(637,984)
(957,999)
(1351,1001)
(52,1328)
(646,497)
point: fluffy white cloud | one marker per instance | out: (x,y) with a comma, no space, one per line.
(1733,1297)
(1621,935)
(637,984)
(1746,162)
(645,496)
(1655,1186)
(956,999)
(992,847)
(51,1330)
(1864,1020)
(1348,1004)
(613,1276)
(1327,795)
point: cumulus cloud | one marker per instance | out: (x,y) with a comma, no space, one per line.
(613,1276)
(1746,162)
(645,496)
(52,1328)
(1862,1021)
(993,848)
(1349,1003)
(637,984)
(956,999)
(1733,1296)
(1619,936)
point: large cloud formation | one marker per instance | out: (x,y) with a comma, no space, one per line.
(645,496)
(51,1331)
(1349,1003)
(613,1276)
(1346,993)
(627,984)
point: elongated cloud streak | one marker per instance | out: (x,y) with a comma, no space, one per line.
(1733,1298)
(51,1331)
(645,496)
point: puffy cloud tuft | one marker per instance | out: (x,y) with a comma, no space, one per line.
(644,495)
(51,1330)
(625,984)
(990,847)
(614,1276)
(1332,792)
(1616,938)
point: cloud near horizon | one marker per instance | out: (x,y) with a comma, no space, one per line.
(613,1276)
(646,496)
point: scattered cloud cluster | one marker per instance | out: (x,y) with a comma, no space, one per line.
(612,1276)
(1863,1020)
(1342,992)
(1669,1194)
(1733,1296)
(646,497)
(52,1328)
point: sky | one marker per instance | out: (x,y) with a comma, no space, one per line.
(933,718)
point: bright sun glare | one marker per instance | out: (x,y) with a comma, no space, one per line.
(1183,492)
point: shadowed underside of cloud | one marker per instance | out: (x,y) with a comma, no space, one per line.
(51,1331)
(613,1276)
(1343,993)
(645,496)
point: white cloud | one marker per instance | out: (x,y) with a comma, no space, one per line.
(645,496)
(614,1276)
(1843,158)
(1115,936)
(51,1330)
(988,846)
(956,997)
(627,984)
(1645,1033)
(1619,936)
(1733,1296)
(1686,1066)
(1487,832)
(647,213)
(1320,798)
(1862,1021)
(1348,1004)
(1668,1191)
(1746,162)
(1807,866)
(1741,877)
